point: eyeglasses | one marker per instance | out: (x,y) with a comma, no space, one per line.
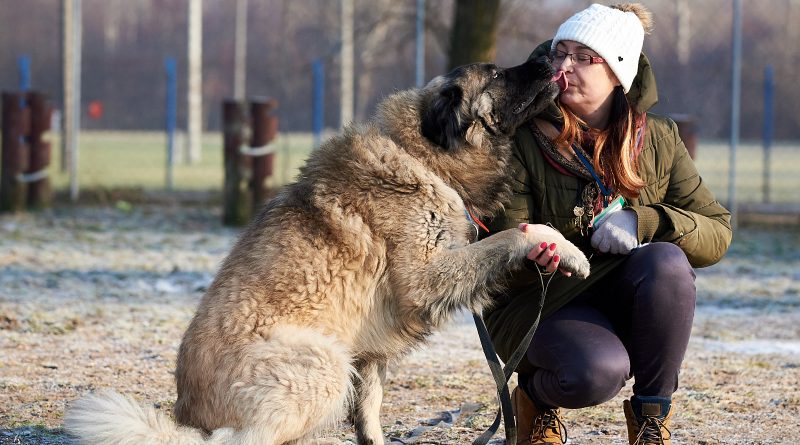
(557,57)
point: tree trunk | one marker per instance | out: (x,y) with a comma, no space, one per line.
(474,32)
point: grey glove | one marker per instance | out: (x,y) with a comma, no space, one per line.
(618,234)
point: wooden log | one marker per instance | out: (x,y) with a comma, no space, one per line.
(264,129)
(14,159)
(40,194)
(687,130)
(237,196)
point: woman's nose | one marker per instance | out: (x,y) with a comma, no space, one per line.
(566,64)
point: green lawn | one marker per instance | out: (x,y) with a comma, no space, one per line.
(138,159)
(713,163)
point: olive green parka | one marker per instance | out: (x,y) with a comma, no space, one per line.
(674,206)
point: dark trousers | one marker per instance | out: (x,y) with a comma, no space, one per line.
(635,323)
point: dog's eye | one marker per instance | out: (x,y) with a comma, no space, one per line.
(496,74)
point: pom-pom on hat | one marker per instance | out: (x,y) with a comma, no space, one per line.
(616,36)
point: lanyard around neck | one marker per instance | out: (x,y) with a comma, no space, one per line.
(603,189)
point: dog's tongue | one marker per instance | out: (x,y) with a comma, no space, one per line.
(561,80)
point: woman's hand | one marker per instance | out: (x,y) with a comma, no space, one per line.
(544,254)
(618,233)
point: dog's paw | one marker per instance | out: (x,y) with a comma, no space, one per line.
(572,259)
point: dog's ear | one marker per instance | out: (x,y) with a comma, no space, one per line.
(441,120)
(475,133)
(483,109)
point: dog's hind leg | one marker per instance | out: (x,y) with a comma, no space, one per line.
(367,404)
(290,386)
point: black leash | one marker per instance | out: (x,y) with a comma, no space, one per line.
(502,374)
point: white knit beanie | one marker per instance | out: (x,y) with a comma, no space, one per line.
(614,35)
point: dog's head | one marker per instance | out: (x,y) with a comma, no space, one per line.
(483,100)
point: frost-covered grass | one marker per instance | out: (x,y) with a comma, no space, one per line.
(94,297)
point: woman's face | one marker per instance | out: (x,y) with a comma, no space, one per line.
(589,85)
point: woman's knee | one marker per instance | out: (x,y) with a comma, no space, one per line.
(575,387)
(665,259)
(596,383)
(663,264)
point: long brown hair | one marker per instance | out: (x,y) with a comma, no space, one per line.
(615,147)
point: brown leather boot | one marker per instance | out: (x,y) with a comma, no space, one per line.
(648,420)
(534,426)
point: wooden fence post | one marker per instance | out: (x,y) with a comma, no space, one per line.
(26,155)
(264,129)
(237,196)
(14,154)
(687,130)
(39,192)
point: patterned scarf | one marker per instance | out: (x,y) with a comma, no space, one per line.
(589,200)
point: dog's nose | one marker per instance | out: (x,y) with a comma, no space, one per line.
(542,65)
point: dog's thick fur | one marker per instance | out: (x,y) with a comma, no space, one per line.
(353,265)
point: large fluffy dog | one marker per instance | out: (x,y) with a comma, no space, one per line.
(353,265)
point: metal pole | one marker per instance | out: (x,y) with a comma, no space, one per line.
(72,89)
(683,46)
(24,64)
(736,92)
(769,89)
(420,51)
(684,31)
(240,51)
(170,65)
(317,121)
(194,109)
(66,30)
(346,114)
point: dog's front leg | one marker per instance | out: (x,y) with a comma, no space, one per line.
(367,403)
(465,277)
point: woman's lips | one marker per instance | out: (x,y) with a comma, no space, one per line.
(561,80)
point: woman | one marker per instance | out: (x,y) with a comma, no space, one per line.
(632,317)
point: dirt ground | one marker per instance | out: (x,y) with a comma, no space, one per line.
(98,297)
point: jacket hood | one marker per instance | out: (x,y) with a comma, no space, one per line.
(642,95)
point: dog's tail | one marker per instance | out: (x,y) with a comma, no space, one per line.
(106,418)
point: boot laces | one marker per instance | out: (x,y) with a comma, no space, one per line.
(546,421)
(650,432)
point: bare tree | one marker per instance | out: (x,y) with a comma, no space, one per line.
(474,32)
(384,37)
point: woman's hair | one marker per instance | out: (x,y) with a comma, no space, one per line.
(615,147)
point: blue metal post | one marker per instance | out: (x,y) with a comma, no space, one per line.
(769,122)
(171,115)
(317,124)
(24,65)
